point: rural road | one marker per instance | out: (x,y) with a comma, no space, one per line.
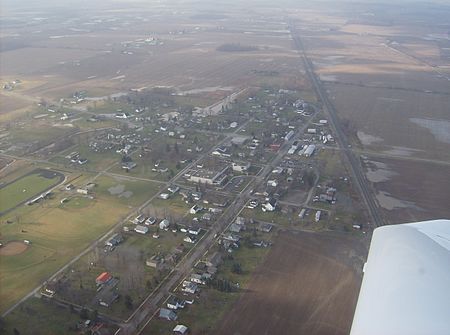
(354,162)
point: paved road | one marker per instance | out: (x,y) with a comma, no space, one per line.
(115,227)
(354,163)
(148,309)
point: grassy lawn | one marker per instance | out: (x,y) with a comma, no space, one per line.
(37,317)
(126,262)
(126,191)
(23,189)
(96,160)
(288,220)
(173,206)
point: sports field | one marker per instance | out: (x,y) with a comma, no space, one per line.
(58,231)
(27,187)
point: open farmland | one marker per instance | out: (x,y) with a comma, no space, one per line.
(308,284)
(183,54)
(387,78)
(401,200)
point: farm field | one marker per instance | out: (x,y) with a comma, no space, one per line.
(308,283)
(387,81)
(404,201)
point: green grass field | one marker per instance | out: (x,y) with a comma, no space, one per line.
(36,317)
(58,231)
(25,188)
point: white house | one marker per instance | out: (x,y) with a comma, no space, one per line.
(270,205)
(190,238)
(240,166)
(141,229)
(164,224)
(198,279)
(195,209)
(175,303)
(194,230)
(272,183)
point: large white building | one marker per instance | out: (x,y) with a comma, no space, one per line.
(406,284)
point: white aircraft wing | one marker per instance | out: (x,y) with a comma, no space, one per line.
(406,284)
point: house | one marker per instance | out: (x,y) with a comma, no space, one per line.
(240,221)
(239,140)
(195,209)
(266,227)
(167,314)
(141,229)
(231,237)
(278,170)
(173,189)
(189,287)
(82,191)
(207,217)
(194,230)
(272,183)
(326,198)
(196,195)
(214,260)
(49,289)
(175,303)
(312,130)
(128,165)
(103,278)
(253,204)
(235,228)
(140,219)
(164,224)
(240,166)
(289,135)
(180,330)
(270,205)
(115,240)
(198,279)
(190,238)
(150,221)
(156,261)
(164,196)
(107,297)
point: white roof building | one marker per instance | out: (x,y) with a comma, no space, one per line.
(405,289)
(180,329)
